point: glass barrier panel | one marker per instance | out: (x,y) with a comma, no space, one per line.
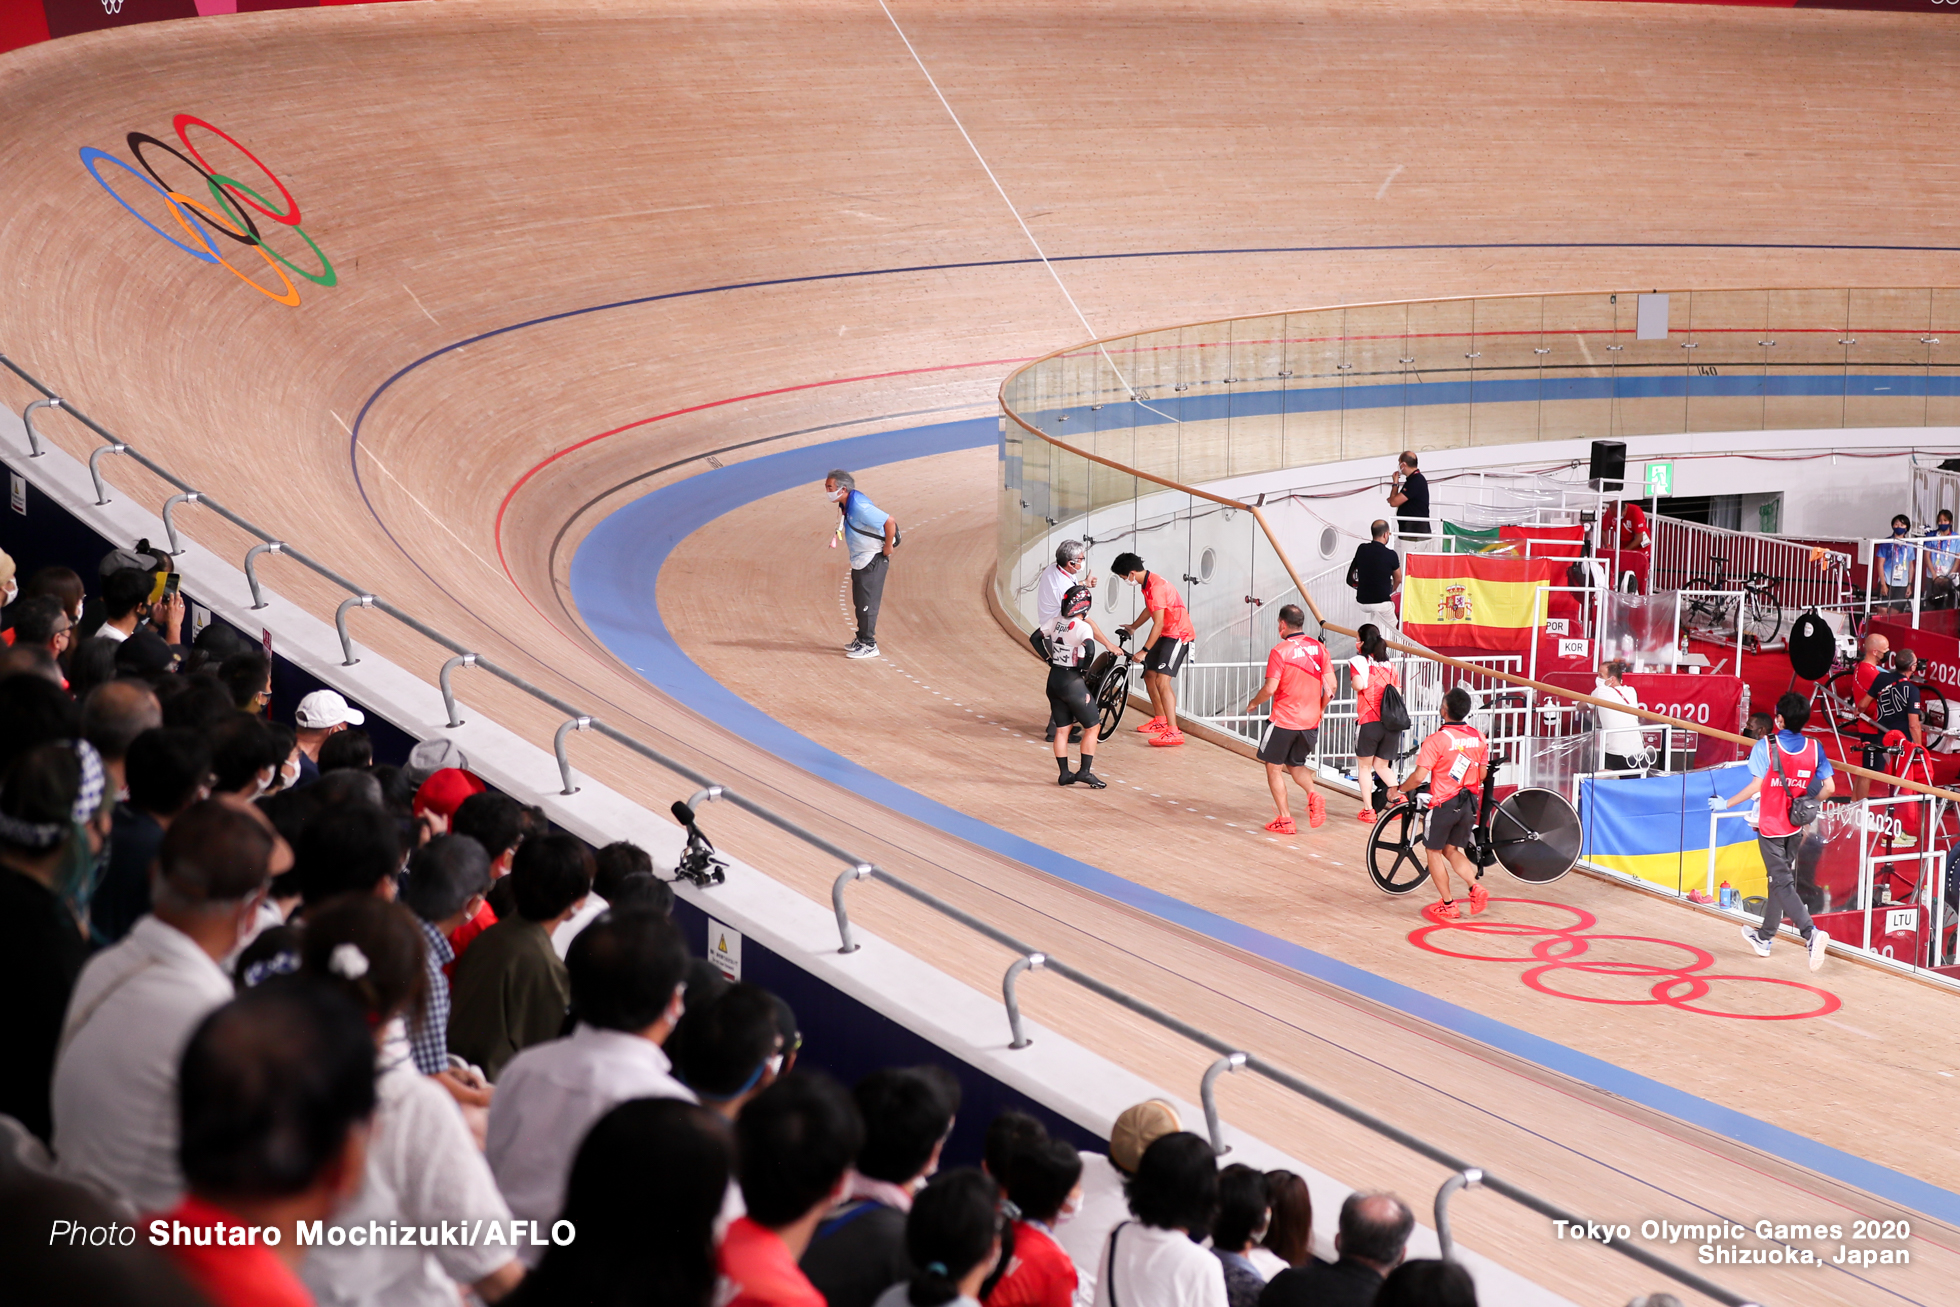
(1203,404)
(1376,395)
(1943,363)
(1253,395)
(1729,332)
(1311,432)
(1504,370)
(1577,388)
(1805,366)
(1440,340)
(1885,385)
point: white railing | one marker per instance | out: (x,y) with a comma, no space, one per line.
(1684,557)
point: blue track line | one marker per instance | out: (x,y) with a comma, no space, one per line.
(614,580)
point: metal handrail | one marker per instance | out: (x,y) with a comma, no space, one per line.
(859,869)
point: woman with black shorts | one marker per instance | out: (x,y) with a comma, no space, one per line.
(1374,748)
(1072,647)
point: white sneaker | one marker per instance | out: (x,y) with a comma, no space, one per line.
(862,651)
(854,646)
(1756,941)
(1819,942)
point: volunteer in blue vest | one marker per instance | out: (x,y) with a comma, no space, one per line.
(871,536)
(1300,681)
(1786,766)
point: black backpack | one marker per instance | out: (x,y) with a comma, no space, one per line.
(1395,712)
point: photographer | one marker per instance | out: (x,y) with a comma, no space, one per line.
(1793,776)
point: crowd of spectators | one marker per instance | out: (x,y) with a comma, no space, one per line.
(264,988)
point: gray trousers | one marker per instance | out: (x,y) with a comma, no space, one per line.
(1782,899)
(867,592)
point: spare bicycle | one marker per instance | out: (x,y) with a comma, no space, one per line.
(1533,834)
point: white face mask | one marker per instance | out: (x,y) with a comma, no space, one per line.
(12,593)
(837,495)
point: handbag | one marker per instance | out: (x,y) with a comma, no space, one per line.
(1805,807)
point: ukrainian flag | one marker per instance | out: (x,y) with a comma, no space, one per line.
(1656,829)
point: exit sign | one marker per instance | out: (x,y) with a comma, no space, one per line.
(1660,480)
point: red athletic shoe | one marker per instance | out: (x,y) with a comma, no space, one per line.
(1366,815)
(1316,808)
(1152,726)
(1167,738)
(1442,912)
(1479,899)
(1283,826)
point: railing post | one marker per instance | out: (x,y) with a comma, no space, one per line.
(169,519)
(1208,1095)
(347,658)
(849,874)
(252,568)
(565,728)
(708,795)
(27,420)
(1468,1178)
(1032,962)
(449,691)
(95,468)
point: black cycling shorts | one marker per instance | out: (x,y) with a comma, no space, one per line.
(1069,700)
(1371,741)
(1166,656)
(1450,821)
(1284,746)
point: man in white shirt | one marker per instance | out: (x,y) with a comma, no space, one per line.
(1102,1205)
(136,1004)
(626,973)
(1071,568)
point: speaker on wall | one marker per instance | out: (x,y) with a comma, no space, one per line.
(1608,470)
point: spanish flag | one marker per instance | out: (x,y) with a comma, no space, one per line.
(1470,601)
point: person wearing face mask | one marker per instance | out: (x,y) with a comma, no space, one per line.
(1892,565)
(137,1002)
(53,826)
(1942,554)
(9,587)
(871,536)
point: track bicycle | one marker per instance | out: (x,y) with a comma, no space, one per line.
(1108,678)
(1533,834)
(1761,611)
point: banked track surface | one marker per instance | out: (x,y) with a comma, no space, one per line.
(627,155)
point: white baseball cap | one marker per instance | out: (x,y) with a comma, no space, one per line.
(324,708)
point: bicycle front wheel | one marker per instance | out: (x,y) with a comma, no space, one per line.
(1112,697)
(1396,861)
(1762,618)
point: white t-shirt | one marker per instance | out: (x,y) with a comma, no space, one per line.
(115,1078)
(568,929)
(422,1170)
(1048,594)
(1619,732)
(1083,1235)
(1158,1268)
(1265,1261)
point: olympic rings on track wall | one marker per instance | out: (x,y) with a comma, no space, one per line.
(1560,949)
(232,218)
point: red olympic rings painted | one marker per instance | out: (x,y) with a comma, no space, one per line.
(1560,949)
(230,219)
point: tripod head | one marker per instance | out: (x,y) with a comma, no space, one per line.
(698,864)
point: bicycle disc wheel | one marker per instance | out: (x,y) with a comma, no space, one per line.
(1111,699)
(1396,861)
(1535,835)
(1763,618)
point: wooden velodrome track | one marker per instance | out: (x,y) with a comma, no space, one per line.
(812,254)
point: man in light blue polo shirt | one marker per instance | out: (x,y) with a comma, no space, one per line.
(871,536)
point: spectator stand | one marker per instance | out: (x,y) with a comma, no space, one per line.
(865,1005)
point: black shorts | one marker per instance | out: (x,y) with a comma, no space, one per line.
(1373,742)
(1166,656)
(1283,746)
(1449,822)
(1069,700)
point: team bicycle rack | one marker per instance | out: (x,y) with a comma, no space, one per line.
(1027,958)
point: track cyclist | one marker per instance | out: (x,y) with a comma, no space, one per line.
(1071,648)
(1171,634)
(1453,761)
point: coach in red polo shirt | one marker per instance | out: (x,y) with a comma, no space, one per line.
(1299,680)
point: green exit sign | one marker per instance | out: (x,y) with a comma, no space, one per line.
(1660,480)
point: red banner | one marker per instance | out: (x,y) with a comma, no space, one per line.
(1713,701)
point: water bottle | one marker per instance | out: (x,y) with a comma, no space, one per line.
(1727,896)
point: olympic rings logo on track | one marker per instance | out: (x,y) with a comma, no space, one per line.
(1680,987)
(232,218)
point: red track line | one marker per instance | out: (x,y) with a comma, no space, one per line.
(538,467)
